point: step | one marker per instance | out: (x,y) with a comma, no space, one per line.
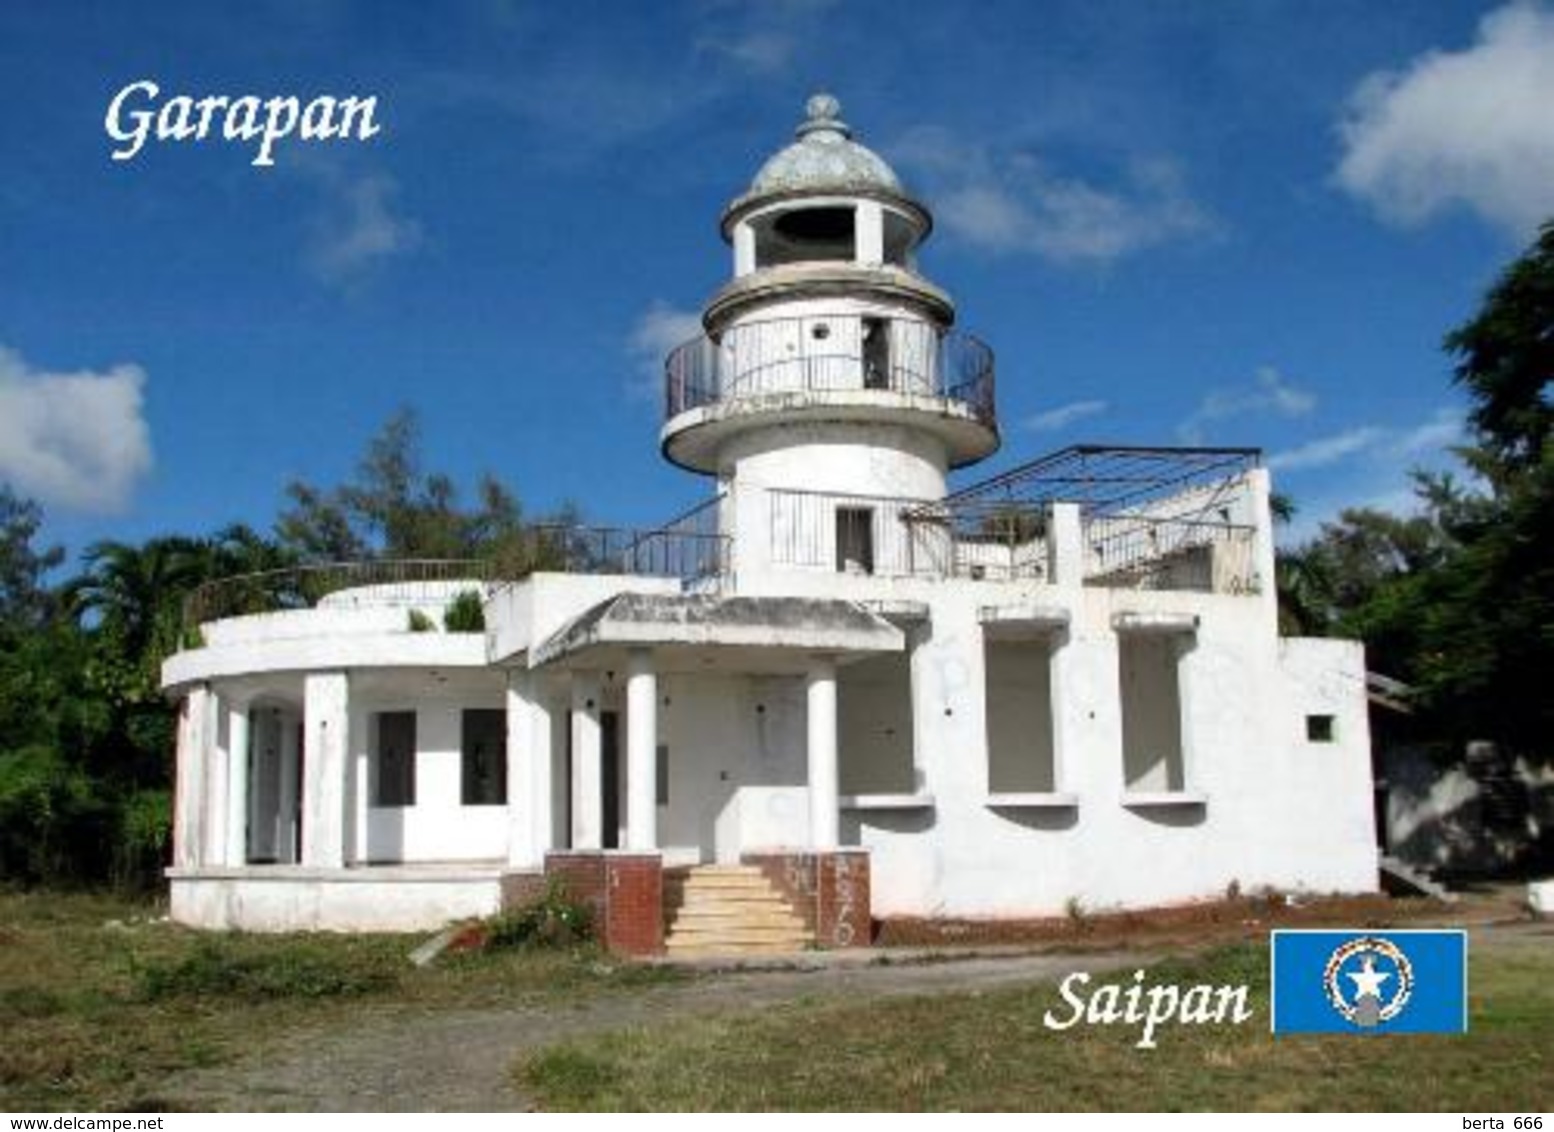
(721,882)
(717,918)
(713,952)
(726,900)
(731,941)
(728,910)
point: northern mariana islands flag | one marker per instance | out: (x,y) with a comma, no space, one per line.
(1369,982)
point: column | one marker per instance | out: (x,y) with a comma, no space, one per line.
(820,697)
(869,231)
(587,775)
(744,248)
(189,787)
(1264,566)
(543,715)
(641,751)
(237,785)
(522,802)
(216,744)
(325,747)
(1065,545)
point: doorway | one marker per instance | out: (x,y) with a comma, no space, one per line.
(876,354)
(610,778)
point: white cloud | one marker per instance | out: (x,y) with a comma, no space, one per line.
(1444,430)
(764,52)
(1431,437)
(358,228)
(1379,460)
(1473,128)
(72,440)
(1327,450)
(762,39)
(658,330)
(1015,203)
(1064,415)
(1269,392)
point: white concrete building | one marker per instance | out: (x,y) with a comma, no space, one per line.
(882,696)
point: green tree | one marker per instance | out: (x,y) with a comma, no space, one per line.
(1505,360)
(24,597)
(392,507)
(1459,598)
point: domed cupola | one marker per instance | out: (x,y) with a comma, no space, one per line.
(829,214)
(825,159)
(829,362)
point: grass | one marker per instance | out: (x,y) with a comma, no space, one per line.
(992,1051)
(101,1000)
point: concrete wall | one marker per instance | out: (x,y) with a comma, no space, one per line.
(1020,753)
(1263,807)
(1152,747)
(876,753)
(438,827)
(300,900)
(730,738)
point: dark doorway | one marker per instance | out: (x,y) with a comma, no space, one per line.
(855,540)
(610,775)
(876,354)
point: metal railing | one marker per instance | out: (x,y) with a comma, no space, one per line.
(1154,553)
(303,587)
(672,551)
(893,537)
(831,353)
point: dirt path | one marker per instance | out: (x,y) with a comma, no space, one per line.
(462,1060)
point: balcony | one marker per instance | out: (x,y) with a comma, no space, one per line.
(687,549)
(843,366)
(1178,519)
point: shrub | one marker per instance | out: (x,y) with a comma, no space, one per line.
(421,623)
(554,920)
(466,613)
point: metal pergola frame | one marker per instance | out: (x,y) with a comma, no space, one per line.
(1105,479)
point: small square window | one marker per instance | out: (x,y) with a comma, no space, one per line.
(1321,729)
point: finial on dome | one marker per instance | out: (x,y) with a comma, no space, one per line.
(823,113)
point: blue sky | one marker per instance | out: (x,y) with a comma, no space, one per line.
(1226,223)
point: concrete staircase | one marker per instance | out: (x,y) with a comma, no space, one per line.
(727,910)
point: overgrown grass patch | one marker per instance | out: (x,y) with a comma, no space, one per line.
(103,1003)
(993,1051)
(216,969)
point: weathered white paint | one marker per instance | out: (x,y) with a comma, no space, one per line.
(189,794)
(587,769)
(237,785)
(326,741)
(294,899)
(439,826)
(522,849)
(1039,738)
(641,751)
(874,725)
(820,702)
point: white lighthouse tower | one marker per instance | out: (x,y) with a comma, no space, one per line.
(829,376)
